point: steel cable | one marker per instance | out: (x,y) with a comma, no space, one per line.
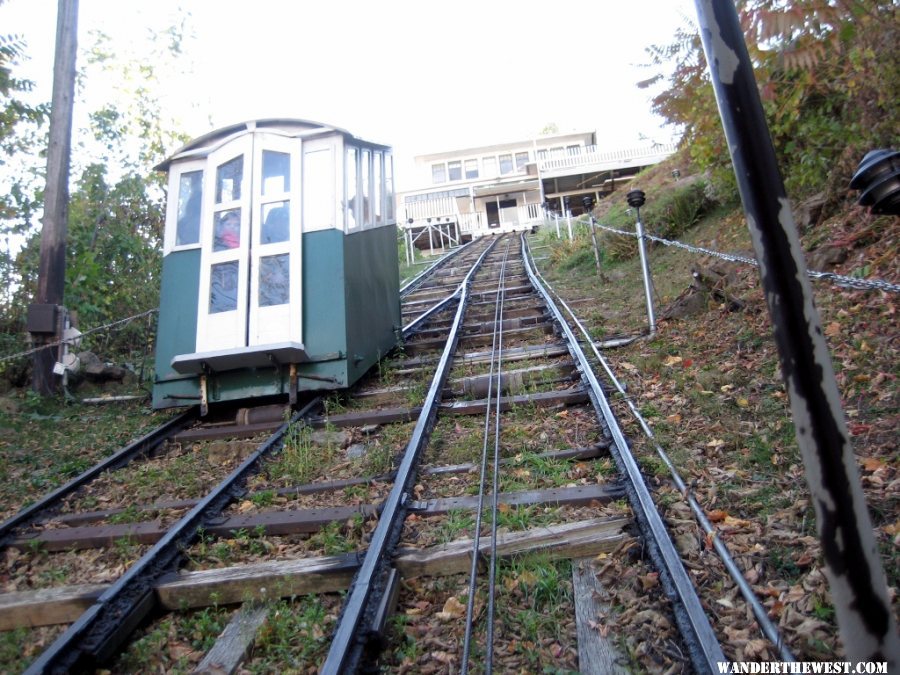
(838,279)
(476,544)
(492,573)
(29,352)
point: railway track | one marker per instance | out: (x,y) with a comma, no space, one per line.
(486,431)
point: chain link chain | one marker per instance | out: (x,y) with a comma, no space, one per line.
(838,279)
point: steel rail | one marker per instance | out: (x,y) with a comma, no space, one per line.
(34,512)
(702,642)
(348,641)
(476,540)
(411,327)
(99,631)
(768,629)
(411,285)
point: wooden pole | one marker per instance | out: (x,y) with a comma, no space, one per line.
(52,270)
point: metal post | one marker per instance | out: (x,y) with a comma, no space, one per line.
(852,565)
(556,220)
(589,206)
(636,201)
(430,239)
(409,247)
(569,223)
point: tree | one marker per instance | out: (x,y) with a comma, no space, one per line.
(22,132)
(117,204)
(828,75)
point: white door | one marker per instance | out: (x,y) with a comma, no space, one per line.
(250,245)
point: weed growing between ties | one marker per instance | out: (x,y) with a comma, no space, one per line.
(534,620)
(296,635)
(305,455)
(175,643)
(21,646)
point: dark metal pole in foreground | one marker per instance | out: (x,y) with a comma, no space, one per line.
(854,570)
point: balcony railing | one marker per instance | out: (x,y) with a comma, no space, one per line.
(591,155)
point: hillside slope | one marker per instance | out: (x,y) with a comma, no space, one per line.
(709,385)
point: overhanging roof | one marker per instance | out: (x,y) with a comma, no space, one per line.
(506,188)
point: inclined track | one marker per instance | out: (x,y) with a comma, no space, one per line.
(436,306)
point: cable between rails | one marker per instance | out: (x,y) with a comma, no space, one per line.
(476,543)
(492,573)
(759,611)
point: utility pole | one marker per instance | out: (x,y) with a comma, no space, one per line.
(45,314)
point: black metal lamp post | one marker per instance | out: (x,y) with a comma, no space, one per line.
(636,200)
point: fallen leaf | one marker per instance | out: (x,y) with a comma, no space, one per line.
(672,360)
(453,609)
(832,329)
(872,464)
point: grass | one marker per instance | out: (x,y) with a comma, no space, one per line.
(45,442)
(295,636)
(175,643)
(300,459)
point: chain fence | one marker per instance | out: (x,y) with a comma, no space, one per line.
(857,283)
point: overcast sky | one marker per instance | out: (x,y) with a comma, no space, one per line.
(421,76)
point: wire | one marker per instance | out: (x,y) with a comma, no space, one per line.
(29,352)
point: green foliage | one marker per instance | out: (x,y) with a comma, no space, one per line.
(116,207)
(675,211)
(829,80)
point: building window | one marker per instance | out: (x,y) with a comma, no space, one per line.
(471,168)
(438,173)
(490,166)
(573,149)
(506,164)
(542,154)
(521,160)
(454,170)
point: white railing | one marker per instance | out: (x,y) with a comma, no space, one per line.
(430,208)
(472,222)
(592,155)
